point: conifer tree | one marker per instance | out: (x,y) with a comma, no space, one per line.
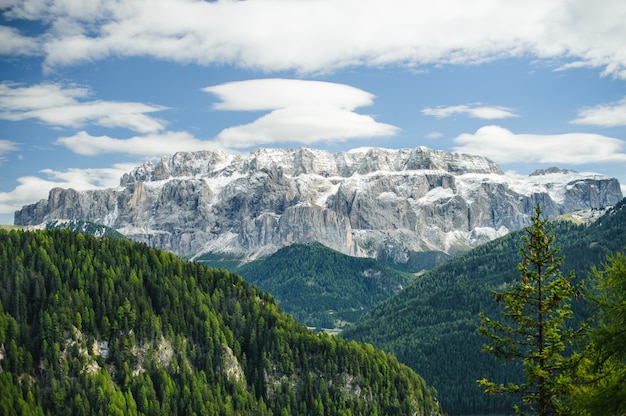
(533,330)
(603,374)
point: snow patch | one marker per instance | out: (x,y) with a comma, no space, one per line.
(436,194)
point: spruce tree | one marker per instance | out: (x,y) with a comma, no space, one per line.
(533,330)
(603,373)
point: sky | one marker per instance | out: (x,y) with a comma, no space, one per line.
(90,89)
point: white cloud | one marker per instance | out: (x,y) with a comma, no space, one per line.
(13,43)
(306,125)
(48,10)
(472,110)
(34,188)
(605,115)
(313,36)
(434,135)
(504,146)
(301,111)
(274,93)
(7,146)
(59,105)
(151,145)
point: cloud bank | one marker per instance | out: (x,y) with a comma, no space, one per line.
(504,146)
(322,35)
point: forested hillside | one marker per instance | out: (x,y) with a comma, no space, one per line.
(431,325)
(321,287)
(107,326)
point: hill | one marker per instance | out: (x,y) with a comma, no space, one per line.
(106,326)
(321,287)
(431,325)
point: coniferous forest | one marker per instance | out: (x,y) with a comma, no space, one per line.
(432,324)
(107,326)
(321,287)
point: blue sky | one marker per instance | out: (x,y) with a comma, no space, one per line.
(91,88)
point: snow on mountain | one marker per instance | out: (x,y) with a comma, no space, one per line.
(366,202)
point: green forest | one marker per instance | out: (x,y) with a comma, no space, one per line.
(431,325)
(321,287)
(106,326)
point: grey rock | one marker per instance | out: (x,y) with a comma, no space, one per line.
(362,202)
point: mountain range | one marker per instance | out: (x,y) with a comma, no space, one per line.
(408,207)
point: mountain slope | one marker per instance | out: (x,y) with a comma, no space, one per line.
(397,205)
(107,326)
(321,287)
(431,325)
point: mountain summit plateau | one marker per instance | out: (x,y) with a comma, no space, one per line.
(391,204)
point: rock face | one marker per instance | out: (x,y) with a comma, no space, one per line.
(364,202)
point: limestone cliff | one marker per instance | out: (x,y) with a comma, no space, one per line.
(364,202)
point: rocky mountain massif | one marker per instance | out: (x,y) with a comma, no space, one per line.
(388,204)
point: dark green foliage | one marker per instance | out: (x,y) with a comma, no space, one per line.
(107,326)
(321,287)
(221,261)
(532,327)
(603,376)
(416,261)
(430,325)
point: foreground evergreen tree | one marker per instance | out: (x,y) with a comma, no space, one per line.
(604,372)
(533,331)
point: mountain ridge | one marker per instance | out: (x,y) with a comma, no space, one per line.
(367,202)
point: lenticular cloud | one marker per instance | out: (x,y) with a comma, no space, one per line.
(300,111)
